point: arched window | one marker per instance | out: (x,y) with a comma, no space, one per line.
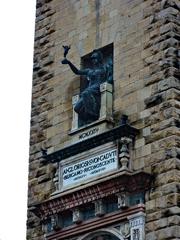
(103,234)
(105,237)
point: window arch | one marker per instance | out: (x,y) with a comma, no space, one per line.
(103,234)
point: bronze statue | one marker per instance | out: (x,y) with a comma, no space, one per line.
(88,106)
(66,50)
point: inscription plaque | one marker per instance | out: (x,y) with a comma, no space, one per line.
(89,168)
(89,133)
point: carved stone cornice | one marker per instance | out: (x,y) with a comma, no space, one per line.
(127,181)
(124,130)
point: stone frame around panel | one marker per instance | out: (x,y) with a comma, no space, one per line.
(80,157)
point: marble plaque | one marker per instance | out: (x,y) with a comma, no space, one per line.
(91,167)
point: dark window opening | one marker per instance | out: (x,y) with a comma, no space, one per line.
(48,225)
(111,204)
(66,219)
(105,237)
(137,199)
(88,212)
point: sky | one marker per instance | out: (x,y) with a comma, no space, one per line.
(17,20)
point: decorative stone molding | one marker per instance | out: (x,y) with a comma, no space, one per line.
(45,228)
(124,130)
(77,215)
(123,200)
(53,224)
(99,208)
(137,223)
(56,222)
(124,156)
(56,179)
(125,230)
(129,182)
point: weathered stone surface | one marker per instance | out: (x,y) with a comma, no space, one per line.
(154,100)
(160,55)
(174,220)
(152,216)
(161,223)
(166,165)
(168,232)
(172,211)
(40,185)
(171,188)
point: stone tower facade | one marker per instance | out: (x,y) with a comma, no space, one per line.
(117,177)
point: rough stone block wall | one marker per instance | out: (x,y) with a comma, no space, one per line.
(145,35)
(161,118)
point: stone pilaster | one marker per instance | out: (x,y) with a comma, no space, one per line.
(137,226)
(99,208)
(106,101)
(75,115)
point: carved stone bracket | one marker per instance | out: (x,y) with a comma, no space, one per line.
(77,215)
(124,156)
(56,222)
(123,200)
(99,208)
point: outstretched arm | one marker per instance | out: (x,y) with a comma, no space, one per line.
(74,68)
